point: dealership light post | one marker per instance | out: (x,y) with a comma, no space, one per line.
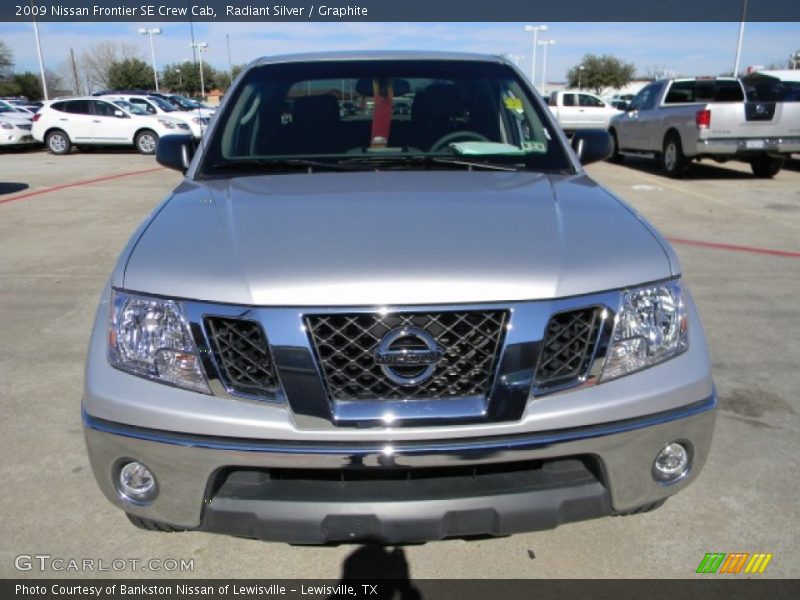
(200,46)
(151,32)
(545,43)
(741,37)
(230,64)
(535,29)
(41,60)
(580,72)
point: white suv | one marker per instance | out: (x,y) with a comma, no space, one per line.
(88,121)
(153,105)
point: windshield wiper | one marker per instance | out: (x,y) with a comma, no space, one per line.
(268,164)
(428,161)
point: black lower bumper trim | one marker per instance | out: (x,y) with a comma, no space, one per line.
(407,518)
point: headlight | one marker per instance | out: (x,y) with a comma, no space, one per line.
(651,327)
(183,126)
(197,121)
(149,337)
(6,125)
(167,124)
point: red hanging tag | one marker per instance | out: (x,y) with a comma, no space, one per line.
(383,96)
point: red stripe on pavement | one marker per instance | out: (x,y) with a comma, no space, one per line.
(735,248)
(78,184)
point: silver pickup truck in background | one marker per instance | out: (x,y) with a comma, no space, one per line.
(679,120)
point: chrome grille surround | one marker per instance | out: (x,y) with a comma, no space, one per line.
(346,344)
(300,381)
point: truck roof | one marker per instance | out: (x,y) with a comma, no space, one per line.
(357,55)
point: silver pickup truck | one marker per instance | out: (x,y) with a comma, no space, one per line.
(391,326)
(679,120)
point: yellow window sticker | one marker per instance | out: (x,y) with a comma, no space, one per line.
(538,147)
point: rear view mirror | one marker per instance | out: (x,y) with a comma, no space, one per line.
(119,114)
(175,151)
(592,145)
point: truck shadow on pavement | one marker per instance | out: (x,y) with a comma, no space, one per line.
(12,187)
(384,567)
(701,170)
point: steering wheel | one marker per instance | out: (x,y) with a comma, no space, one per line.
(466,136)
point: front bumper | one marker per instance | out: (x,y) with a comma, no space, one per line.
(187,468)
(16,138)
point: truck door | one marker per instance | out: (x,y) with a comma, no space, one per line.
(568,112)
(641,119)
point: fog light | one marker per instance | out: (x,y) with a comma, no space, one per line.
(137,483)
(671,463)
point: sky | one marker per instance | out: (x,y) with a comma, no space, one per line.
(685,48)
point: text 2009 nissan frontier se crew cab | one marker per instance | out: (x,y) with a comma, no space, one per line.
(392,325)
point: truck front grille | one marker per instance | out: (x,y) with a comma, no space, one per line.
(568,347)
(242,355)
(345,344)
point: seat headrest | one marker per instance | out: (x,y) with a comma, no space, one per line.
(439,101)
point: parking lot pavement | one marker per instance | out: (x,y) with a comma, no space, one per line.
(58,247)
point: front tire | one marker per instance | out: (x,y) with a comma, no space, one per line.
(673,160)
(646,508)
(766,167)
(58,142)
(146,141)
(150,525)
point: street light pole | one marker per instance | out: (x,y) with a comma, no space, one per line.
(545,43)
(535,29)
(151,32)
(200,46)
(41,60)
(580,73)
(741,37)
(230,64)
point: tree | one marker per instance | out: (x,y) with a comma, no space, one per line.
(6,61)
(184,78)
(29,85)
(600,72)
(224,78)
(130,74)
(97,60)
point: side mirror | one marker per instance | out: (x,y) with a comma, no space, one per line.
(175,151)
(119,114)
(592,145)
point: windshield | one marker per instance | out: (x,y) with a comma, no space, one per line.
(134,109)
(393,114)
(162,104)
(184,102)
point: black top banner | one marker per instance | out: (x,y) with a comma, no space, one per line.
(400,10)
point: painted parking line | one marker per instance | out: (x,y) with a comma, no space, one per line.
(736,248)
(64,186)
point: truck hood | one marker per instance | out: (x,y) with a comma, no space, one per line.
(392,238)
